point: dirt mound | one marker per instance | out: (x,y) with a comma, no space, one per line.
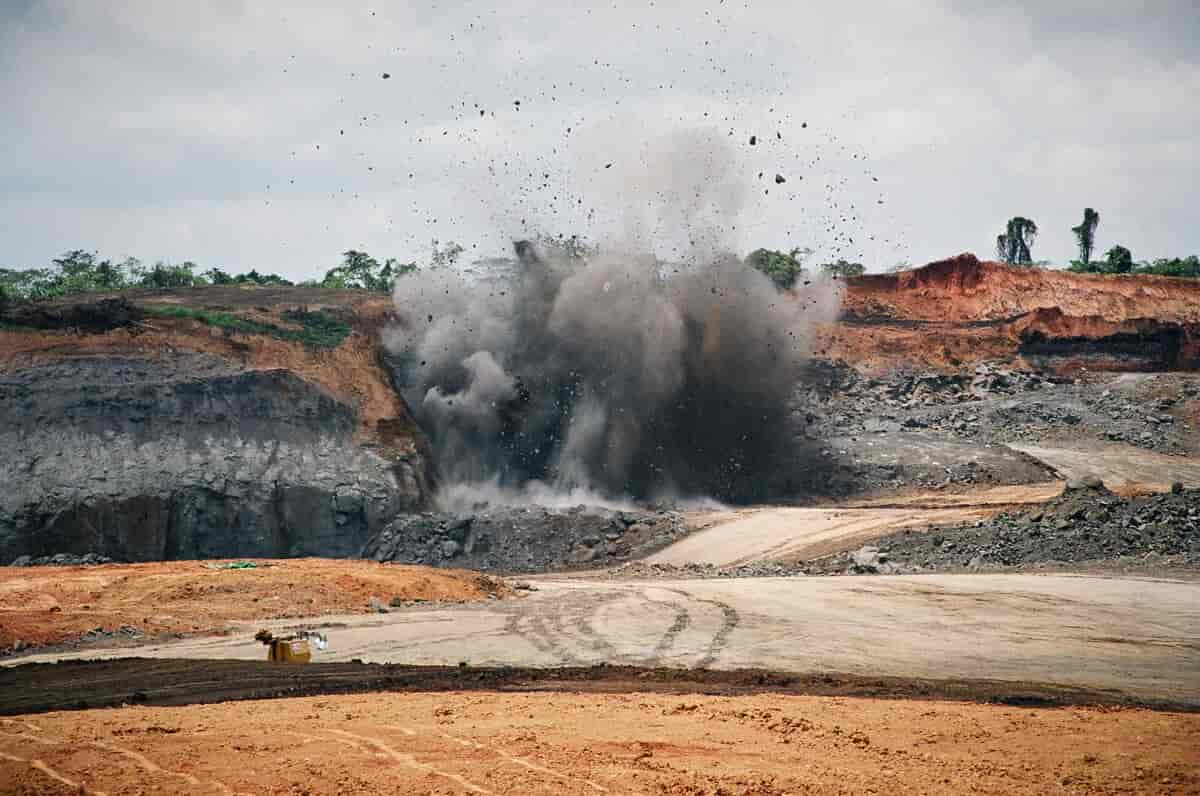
(101,603)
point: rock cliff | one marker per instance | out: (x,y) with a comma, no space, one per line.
(179,433)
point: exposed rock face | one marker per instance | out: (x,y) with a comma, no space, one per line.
(188,455)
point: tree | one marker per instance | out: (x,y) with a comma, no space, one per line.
(781,268)
(361,271)
(165,276)
(843,269)
(1118,260)
(253,277)
(32,283)
(80,272)
(1015,246)
(1085,234)
(218,277)
(1172,266)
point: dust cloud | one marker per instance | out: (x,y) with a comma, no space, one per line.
(615,374)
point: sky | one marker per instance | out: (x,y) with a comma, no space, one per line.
(262,135)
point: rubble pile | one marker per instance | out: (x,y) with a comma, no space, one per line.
(996,405)
(1087,524)
(525,539)
(61,560)
(754,569)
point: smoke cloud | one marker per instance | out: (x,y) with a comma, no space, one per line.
(616,374)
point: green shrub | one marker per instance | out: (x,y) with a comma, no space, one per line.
(319,329)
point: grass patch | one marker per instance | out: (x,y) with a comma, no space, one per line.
(318,329)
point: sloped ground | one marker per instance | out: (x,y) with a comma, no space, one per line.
(140,602)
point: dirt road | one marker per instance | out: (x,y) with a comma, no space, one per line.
(1139,636)
(783,533)
(489,743)
(1119,466)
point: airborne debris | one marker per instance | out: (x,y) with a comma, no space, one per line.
(558,381)
(780,179)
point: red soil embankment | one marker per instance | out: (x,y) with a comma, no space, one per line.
(956,312)
(965,289)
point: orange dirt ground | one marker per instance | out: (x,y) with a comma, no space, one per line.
(630,743)
(46,605)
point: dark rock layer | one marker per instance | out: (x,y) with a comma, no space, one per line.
(187,456)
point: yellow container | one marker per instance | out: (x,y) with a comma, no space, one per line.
(294,650)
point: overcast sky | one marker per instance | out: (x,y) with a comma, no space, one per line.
(254,134)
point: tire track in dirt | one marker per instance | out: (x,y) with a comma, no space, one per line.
(523,762)
(532,628)
(405,759)
(137,758)
(595,640)
(729,620)
(682,621)
(549,629)
(41,766)
(149,765)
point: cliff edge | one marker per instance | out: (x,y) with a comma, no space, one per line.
(212,422)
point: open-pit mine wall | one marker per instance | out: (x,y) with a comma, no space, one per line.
(166,438)
(957,312)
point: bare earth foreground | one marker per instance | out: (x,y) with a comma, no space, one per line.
(554,743)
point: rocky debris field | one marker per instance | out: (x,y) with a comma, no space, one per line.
(1086,525)
(61,560)
(525,539)
(999,405)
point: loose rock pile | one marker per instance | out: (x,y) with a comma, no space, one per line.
(757,569)
(524,539)
(1087,524)
(997,405)
(61,560)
